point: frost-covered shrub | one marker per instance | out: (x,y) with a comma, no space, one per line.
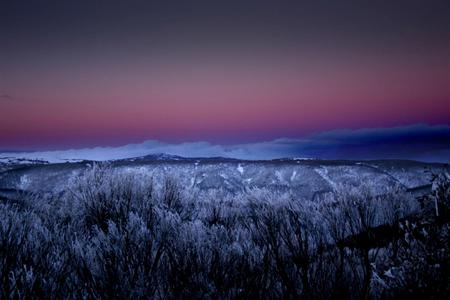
(396,205)
(440,196)
(102,195)
(33,260)
(113,235)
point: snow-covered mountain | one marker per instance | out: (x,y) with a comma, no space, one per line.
(303,178)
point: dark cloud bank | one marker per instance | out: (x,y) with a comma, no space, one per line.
(416,142)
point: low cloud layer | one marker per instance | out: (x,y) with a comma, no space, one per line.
(416,142)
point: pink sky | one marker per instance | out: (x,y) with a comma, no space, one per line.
(221,99)
(87,73)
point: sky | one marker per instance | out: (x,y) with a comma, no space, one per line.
(76,74)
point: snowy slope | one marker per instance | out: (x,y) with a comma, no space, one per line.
(305,179)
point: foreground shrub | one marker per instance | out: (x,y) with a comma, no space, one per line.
(117,236)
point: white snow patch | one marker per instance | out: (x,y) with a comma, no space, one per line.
(323,172)
(389,274)
(279,175)
(293,175)
(24,182)
(240,169)
(20,161)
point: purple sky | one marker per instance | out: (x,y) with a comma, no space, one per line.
(98,73)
